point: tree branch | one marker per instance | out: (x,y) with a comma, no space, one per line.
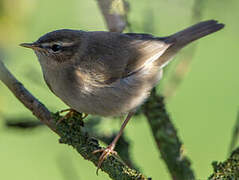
(165,136)
(70,131)
(122,146)
(26,98)
(183,66)
(115,14)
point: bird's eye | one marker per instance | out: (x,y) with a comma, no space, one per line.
(56,47)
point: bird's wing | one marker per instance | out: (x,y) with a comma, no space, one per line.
(149,49)
(111,56)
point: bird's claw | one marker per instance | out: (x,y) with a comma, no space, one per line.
(105,153)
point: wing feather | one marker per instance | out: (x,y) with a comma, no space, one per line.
(110,56)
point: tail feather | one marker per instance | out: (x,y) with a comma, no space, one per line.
(186,36)
(197,31)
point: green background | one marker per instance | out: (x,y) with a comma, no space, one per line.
(203,109)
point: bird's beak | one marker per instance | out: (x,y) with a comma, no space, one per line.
(30,45)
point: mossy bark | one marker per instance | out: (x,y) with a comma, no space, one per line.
(72,133)
(166,138)
(227,170)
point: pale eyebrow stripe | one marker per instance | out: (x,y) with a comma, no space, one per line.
(64,44)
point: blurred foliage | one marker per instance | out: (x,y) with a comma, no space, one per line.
(13,17)
(203,109)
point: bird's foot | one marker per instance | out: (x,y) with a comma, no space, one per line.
(105,153)
(70,113)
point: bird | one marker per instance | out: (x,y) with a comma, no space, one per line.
(109,73)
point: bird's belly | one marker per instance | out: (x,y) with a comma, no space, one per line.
(120,97)
(113,100)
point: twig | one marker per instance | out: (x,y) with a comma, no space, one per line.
(122,147)
(26,98)
(227,170)
(70,131)
(115,14)
(235,135)
(166,138)
(183,65)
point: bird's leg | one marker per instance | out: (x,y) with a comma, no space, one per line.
(110,149)
(70,114)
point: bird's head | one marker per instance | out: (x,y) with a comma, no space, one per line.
(56,47)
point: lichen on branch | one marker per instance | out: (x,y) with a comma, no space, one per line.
(227,170)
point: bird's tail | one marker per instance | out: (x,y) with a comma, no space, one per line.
(186,36)
(197,31)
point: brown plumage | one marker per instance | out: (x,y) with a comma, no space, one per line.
(109,73)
